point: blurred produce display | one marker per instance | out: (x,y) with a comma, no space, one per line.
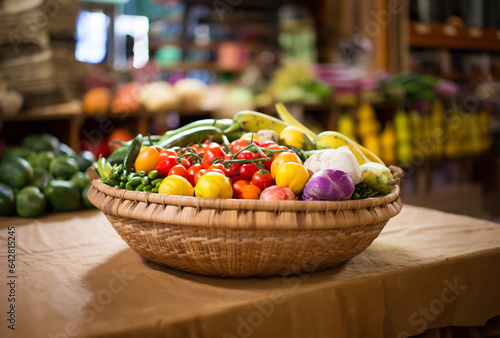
(43,175)
(294,81)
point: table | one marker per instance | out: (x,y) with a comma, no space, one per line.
(77,277)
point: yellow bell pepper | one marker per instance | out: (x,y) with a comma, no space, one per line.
(283,158)
(293,176)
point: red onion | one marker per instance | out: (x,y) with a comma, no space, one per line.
(328,185)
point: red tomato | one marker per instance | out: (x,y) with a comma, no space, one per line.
(267,164)
(212,152)
(164,154)
(193,170)
(237,187)
(246,155)
(262,179)
(250,191)
(217,167)
(233,169)
(179,170)
(200,151)
(272,146)
(198,174)
(165,166)
(239,144)
(235,179)
(247,170)
(268,143)
(185,162)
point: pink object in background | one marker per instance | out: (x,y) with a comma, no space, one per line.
(232,55)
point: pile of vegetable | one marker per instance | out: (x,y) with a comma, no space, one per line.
(43,175)
(252,156)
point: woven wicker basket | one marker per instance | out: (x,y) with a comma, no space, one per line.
(241,238)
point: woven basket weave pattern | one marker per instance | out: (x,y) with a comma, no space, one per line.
(214,237)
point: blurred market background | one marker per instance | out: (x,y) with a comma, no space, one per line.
(415,81)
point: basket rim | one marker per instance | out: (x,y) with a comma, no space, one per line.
(238,204)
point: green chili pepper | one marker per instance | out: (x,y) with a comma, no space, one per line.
(104,168)
(140,187)
(133,151)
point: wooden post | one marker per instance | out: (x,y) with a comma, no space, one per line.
(75,128)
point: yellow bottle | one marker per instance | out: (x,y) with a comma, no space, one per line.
(367,120)
(388,144)
(438,135)
(452,126)
(404,149)
(346,126)
(465,140)
(416,128)
(427,146)
(371,142)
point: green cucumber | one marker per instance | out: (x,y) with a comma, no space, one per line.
(194,135)
(219,123)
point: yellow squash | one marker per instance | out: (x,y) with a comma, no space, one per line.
(295,137)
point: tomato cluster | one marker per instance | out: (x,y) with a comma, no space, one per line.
(249,166)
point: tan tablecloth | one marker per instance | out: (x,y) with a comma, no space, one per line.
(76,277)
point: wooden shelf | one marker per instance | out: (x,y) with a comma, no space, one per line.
(436,35)
(187,66)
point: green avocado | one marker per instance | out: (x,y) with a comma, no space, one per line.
(64,150)
(63,195)
(18,151)
(15,172)
(7,200)
(30,202)
(42,160)
(85,160)
(63,167)
(80,179)
(40,178)
(41,142)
